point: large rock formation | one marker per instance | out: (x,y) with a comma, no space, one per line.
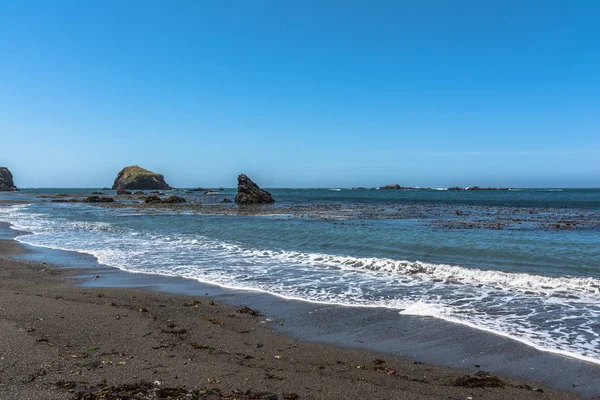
(135,177)
(250,193)
(6,181)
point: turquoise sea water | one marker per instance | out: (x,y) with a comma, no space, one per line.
(406,250)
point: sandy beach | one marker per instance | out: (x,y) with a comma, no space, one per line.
(65,342)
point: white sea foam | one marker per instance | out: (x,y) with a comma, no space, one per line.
(423,309)
(543,285)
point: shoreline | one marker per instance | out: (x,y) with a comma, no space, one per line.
(119,278)
(339,329)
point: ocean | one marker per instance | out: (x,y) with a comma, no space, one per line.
(523,263)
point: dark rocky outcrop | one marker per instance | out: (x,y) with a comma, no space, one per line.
(174,199)
(135,177)
(168,200)
(199,189)
(393,186)
(485,188)
(123,192)
(6,181)
(455,188)
(226,200)
(152,199)
(98,199)
(250,193)
(89,199)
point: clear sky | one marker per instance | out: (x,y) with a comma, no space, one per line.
(302,93)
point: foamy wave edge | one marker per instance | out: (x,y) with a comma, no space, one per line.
(451,274)
(408,309)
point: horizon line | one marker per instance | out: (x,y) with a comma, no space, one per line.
(332,187)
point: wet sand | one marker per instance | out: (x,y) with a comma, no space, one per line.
(62,341)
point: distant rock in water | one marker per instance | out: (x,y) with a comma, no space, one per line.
(152,199)
(174,199)
(135,177)
(393,186)
(98,199)
(250,193)
(485,188)
(169,200)
(6,181)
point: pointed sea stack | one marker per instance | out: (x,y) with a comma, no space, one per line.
(250,193)
(6,181)
(135,177)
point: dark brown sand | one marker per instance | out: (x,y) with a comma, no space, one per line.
(62,342)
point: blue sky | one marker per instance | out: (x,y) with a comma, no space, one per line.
(302,93)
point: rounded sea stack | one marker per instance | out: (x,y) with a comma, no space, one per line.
(135,177)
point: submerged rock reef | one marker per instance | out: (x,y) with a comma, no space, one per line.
(395,186)
(438,215)
(135,177)
(6,181)
(250,193)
